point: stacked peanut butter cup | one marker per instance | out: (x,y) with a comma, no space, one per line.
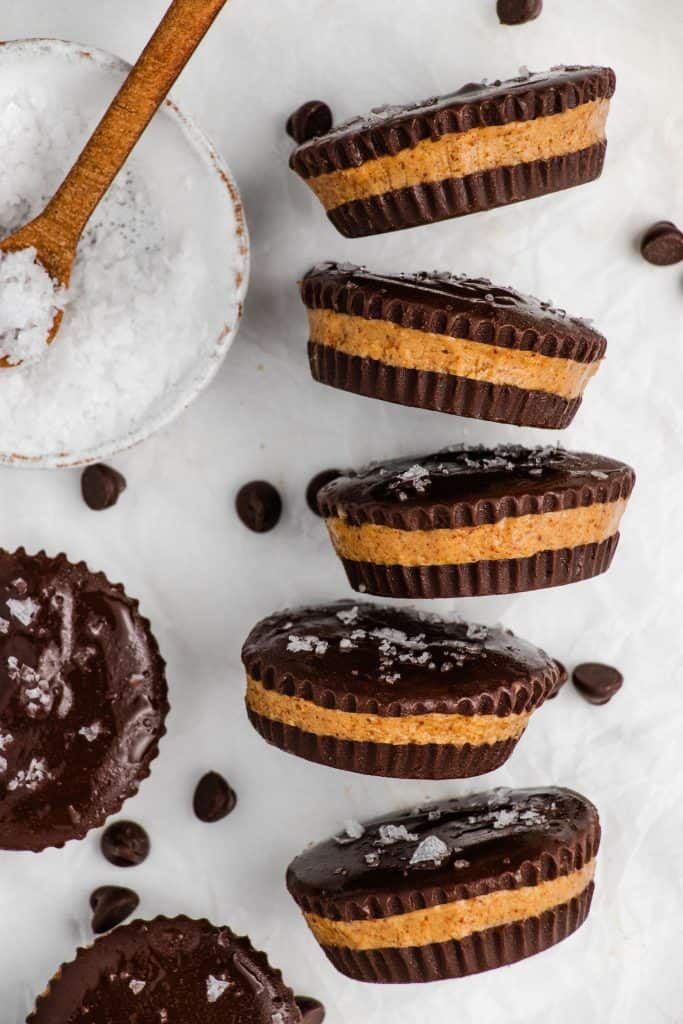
(471,883)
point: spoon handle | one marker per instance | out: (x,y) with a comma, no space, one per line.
(181,31)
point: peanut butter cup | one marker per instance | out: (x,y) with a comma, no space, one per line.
(453,344)
(168,971)
(451,889)
(477,148)
(470,521)
(393,692)
(82,700)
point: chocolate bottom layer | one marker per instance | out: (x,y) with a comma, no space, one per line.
(442,392)
(456,197)
(394,761)
(481,951)
(478,579)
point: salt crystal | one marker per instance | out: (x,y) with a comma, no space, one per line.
(348,615)
(136,986)
(215,987)
(29,303)
(390,834)
(4,625)
(91,732)
(24,611)
(306,644)
(352,830)
(36,773)
(372,859)
(431,849)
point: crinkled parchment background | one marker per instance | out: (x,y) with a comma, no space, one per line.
(204,581)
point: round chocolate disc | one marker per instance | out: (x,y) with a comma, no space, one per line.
(597,683)
(172,972)
(82,700)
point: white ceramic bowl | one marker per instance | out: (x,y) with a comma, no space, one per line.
(214,217)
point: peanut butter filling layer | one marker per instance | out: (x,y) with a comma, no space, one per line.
(452,921)
(470,152)
(420,350)
(513,537)
(365,728)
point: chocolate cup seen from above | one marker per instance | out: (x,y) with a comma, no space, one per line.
(481,147)
(393,692)
(452,344)
(168,970)
(451,889)
(83,700)
(471,521)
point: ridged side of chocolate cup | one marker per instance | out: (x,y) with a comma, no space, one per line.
(498,699)
(481,951)
(457,197)
(333,501)
(152,752)
(520,99)
(387,760)
(479,579)
(69,974)
(440,392)
(456,307)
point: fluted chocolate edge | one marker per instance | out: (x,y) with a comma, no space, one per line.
(479,579)
(457,197)
(440,392)
(481,951)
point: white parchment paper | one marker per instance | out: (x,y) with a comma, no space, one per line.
(203,580)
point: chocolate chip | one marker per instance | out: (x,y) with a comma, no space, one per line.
(312,1010)
(101,486)
(597,683)
(516,12)
(259,506)
(125,844)
(111,904)
(318,481)
(213,798)
(310,121)
(662,244)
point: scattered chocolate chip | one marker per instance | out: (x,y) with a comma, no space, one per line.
(213,798)
(259,506)
(516,12)
(125,844)
(662,244)
(101,486)
(597,683)
(309,121)
(312,1010)
(111,905)
(318,481)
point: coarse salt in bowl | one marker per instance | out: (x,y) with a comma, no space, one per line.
(160,275)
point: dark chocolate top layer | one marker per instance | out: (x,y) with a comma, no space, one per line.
(472,486)
(447,851)
(455,306)
(82,700)
(172,972)
(396,661)
(388,130)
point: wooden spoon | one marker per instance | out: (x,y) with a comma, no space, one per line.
(55,233)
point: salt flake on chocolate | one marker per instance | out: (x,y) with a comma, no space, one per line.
(215,987)
(136,986)
(390,834)
(432,850)
(24,611)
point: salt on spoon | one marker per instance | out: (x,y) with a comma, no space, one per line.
(36,261)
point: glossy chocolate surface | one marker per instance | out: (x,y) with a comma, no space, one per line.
(82,700)
(451,850)
(172,972)
(399,661)
(465,486)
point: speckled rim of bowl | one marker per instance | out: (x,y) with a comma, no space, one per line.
(238,284)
